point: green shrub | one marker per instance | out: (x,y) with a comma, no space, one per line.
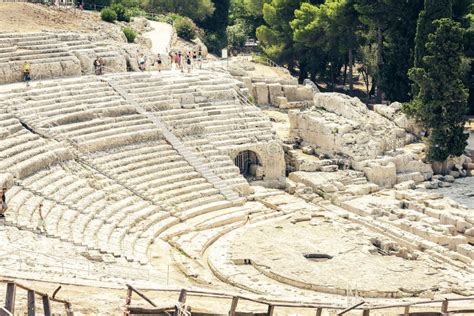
(121,12)
(164,19)
(185,28)
(236,35)
(108,15)
(130,34)
(135,11)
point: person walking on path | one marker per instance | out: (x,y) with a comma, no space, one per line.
(180,61)
(199,58)
(142,63)
(41,227)
(98,66)
(172,60)
(26,72)
(159,62)
(188,62)
(3,202)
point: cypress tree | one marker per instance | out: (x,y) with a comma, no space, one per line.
(441,103)
(433,10)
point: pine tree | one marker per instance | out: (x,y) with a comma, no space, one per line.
(441,103)
(393,25)
(330,27)
(276,37)
(398,53)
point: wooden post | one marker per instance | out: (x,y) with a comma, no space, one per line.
(319,311)
(271,309)
(10,298)
(128,300)
(444,307)
(31,303)
(182,296)
(407,311)
(366,312)
(233,306)
(69,311)
(181,299)
(46,305)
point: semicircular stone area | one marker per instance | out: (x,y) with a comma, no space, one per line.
(335,257)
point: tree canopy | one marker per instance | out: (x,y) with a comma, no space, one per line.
(194,9)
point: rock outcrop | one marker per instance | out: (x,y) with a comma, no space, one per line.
(343,127)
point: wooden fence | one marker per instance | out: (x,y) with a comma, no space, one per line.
(181,308)
(9,308)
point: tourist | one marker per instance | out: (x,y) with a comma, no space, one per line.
(199,59)
(171,56)
(142,63)
(159,62)
(3,202)
(194,58)
(41,224)
(188,62)
(180,61)
(26,72)
(98,66)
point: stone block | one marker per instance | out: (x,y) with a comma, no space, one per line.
(382,175)
(290,92)
(407,185)
(454,241)
(462,226)
(331,168)
(282,103)
(247,82)
(466,250)
(304,93)
(469,232)
(275,91)
(261,93)
(309,166)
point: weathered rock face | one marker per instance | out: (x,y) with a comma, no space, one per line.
(393,113)
(341,126)
(282,92)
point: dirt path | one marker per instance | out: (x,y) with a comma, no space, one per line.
(160,37)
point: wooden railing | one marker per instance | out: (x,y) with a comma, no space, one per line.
(181,308)
(9,308)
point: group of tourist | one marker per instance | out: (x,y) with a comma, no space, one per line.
(186,61)
(158,62)
(183,62)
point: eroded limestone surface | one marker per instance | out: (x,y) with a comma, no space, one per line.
(357,261)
